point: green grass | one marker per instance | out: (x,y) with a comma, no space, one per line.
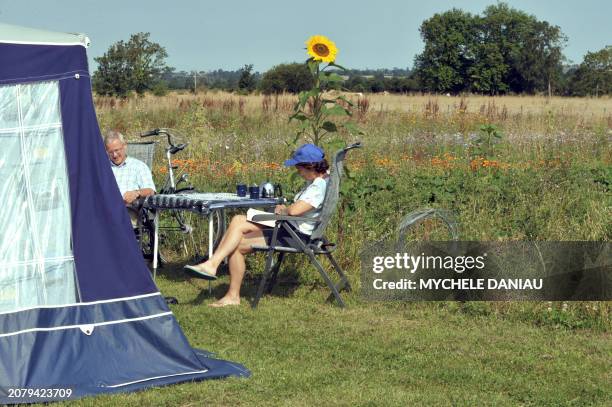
(304,351)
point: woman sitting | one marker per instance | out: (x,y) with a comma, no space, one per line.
(241,235)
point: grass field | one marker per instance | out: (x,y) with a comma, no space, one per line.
(303,351)
(547,178)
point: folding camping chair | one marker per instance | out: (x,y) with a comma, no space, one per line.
(142,150)
(145,152)
(317,245)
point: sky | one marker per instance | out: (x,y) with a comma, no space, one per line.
(208,35)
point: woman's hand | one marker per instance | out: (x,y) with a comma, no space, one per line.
(281,210)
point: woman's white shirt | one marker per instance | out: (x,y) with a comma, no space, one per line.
(313,194)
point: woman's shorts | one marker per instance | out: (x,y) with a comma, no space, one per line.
(283,238)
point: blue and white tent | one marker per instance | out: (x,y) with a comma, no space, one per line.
(78,307)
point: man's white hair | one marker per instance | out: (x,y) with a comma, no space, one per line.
(113,135)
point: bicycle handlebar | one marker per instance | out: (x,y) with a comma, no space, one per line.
(176,149)
(158,132)
(154,132)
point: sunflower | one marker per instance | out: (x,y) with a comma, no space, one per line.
(320,48)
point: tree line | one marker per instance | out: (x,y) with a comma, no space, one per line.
(501,51)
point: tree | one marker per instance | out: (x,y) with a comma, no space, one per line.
(246,82)
(487,73)
(594,75)
(503,50)
(292,78)
(136,65)
(531,49)
(449,51)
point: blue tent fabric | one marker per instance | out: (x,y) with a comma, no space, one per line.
(96,348)
(34,63)
(120,336)
(102,234)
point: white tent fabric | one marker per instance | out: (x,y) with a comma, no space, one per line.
(36,260)
(14,34)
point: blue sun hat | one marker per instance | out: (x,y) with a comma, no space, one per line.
(306,153)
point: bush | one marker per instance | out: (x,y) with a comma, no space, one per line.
(160,88)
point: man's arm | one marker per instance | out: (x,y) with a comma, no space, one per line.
(131,196)
(145,179)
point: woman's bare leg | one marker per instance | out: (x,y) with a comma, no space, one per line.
(238,227)
(237,267)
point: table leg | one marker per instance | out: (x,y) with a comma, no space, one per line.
(155,243)
(211,233)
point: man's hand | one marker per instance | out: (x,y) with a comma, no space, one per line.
(280,210)
(130,196)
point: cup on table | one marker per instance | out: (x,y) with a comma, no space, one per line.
(241,190)
(254,192)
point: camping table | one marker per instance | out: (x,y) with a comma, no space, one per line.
(203,204)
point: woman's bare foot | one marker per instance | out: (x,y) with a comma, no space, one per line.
(225,301)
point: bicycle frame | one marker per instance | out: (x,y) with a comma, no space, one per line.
(170,184)
(170,187)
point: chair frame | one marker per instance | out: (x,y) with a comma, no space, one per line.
(145,152)
(315,246)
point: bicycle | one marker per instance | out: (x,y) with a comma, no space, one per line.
(172,220)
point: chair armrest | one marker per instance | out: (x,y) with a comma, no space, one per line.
(260,218)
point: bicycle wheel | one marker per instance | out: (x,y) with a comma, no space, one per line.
(146,240)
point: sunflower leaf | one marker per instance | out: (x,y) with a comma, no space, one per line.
(347,101)
(299,116)
(312,65)
(330,127)
(334,77)
(303,97)
(336,65)
(335,110)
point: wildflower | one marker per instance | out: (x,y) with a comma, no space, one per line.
(476,163)
(490,164)
(320,48)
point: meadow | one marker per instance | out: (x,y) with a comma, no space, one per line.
(509,168)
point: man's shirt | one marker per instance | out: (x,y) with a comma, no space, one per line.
(132,174)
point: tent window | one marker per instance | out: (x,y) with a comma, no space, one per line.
(36,259)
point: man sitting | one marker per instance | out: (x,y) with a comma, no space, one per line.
(132,175)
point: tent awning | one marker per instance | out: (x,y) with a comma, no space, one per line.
(14,34)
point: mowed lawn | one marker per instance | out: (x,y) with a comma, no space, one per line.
(304,351)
